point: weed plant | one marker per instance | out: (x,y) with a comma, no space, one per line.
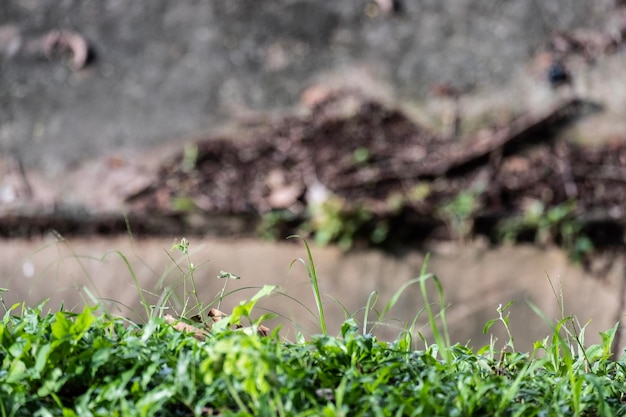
(93,364)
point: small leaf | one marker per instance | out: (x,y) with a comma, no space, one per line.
(242,310)
(17,372)
(82,323)
(220,326)
(264,292)
(488,325)
(183,246)
(227,275)
(506,307)
(42,358)
(61,327)
(149,329)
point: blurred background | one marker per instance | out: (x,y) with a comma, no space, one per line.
(488,134)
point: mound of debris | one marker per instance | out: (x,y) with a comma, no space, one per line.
(354,171)
(375,160)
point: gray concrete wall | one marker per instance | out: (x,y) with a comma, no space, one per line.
(166,69)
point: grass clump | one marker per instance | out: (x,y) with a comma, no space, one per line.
(93,364)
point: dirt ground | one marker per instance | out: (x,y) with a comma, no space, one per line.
(370,167)
(369,157)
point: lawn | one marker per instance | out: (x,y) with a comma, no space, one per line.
(91,363)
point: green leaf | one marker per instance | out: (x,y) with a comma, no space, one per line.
(488,325)
(506,306)
(52,383)
(82,323)
(183,246)
(61,328)
(42,358)
(149,329)
(221,325)
(264,292)
(242,310)
(17,372)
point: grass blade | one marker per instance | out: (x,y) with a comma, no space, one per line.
(312,273)
(443,342)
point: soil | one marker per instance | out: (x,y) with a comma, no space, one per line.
(373,158)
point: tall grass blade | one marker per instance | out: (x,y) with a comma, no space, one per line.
(394,299)
(142,298)
(60,240)
(312,273)
(442,341)
(371,302)
(346,313)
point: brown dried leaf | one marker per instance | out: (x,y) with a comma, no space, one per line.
(216,315)
(198,333)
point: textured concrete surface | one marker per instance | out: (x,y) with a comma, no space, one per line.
(165,70)
(475,279)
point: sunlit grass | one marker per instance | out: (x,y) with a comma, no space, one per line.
(92,363)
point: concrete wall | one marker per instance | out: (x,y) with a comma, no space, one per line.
(475,279)
(166,69)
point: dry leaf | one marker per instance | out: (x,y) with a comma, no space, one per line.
(198,333)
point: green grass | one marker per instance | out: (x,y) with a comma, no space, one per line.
(94,364)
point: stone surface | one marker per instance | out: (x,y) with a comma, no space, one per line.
(164,70)
(475,280)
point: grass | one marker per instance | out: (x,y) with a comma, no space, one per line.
(94,364)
